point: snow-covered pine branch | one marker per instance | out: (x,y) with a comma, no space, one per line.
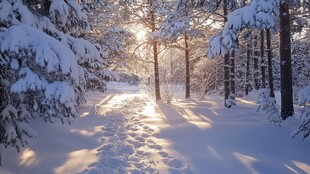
(173,27)
(304,101)
(259,14)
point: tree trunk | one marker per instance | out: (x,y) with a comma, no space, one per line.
(247,70)
(232,74)
(155,53)
(287,108)
(226,64)
(187,73)
(255,59)
(262,59)
(270,74)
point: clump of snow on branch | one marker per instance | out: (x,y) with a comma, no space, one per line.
(259,14)
(174,26)
(49,53)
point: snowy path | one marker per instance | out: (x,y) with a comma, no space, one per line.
(127,132)
(128,145)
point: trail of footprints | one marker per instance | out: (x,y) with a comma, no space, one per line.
(129,147)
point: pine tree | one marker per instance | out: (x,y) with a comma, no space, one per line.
(39,58)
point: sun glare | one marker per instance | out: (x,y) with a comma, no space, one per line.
(140,35)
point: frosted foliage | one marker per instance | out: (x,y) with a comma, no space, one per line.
(259,14)
(304,96)
(49,53)
(14,64)
(16,132)
(59,11)
(40,75)
(36,58)
(269,105)
(62,92)
(203,77)
(304,100)
(77,9)
(14,40)
(5,12)
(26,17)
(85,51)
(59,91)
(174,26)
(28,81)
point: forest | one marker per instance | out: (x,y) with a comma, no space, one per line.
(54,53)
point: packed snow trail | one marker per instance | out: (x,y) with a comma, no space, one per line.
(124,131)
(128,145)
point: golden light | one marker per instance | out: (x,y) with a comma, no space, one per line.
(28,158)
(77,161)
(140,35)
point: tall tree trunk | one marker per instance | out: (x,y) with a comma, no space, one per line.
(232,74)
(226,64)
(287,108)
(247,68)
(155,53)
(270,74)
(262,59)
(255,59)
(187,73)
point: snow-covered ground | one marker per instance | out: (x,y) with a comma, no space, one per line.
(124,131)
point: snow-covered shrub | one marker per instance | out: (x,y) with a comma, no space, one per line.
(168,89)
(131,79)
(263,98)
(230,101)
(203,77)
(304,101)
(269,105)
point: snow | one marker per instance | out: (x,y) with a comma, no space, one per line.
(5,10)
(124,131)
(258,14)
(59,11)
(48,51)
(14,64)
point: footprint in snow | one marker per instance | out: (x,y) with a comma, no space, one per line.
(107,147)
(132,134)
(144,135)
(140,139)
(164,154)
(175,163)
(150,141)
(138,165)
(146,127)
(155,146)
(127,149)
(136,144)
(109,134)
(134,159)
